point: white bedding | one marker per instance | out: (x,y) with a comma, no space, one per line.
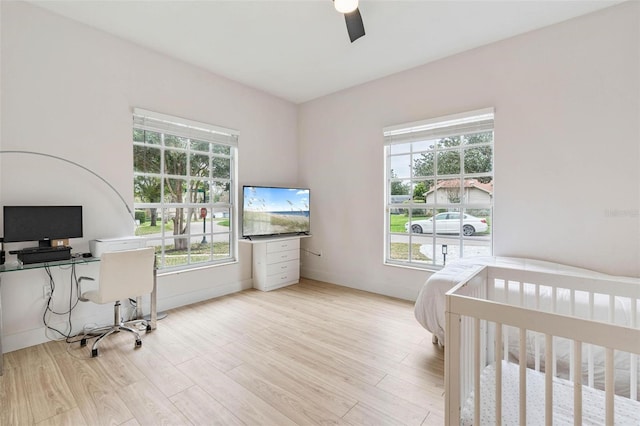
(593,401)
(430,304)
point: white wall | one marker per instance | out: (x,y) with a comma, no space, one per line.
(69,90)
(567,156)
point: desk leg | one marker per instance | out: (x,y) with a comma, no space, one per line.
(139,314)
(1,353)
(153,315)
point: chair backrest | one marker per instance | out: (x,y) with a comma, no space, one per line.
(126,273)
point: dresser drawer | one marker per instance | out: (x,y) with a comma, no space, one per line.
(282,267)
(282,256)
(284,245)
(278,280)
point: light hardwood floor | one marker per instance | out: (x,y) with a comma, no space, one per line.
(312,353)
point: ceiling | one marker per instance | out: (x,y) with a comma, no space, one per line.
(299,49)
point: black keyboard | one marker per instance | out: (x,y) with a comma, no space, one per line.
(44,249)
(33,250)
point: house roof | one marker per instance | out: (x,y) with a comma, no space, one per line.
(468,183)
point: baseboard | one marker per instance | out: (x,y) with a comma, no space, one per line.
(184,299)
(371,287)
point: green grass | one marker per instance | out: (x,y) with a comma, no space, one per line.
(199,253)
(147,229)
(400,251)
(398,221)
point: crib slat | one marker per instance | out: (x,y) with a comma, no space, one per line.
(609,385)
(572,364)
(554,353)
(554,297)
(498,374)
(521,293)
(537,351)
(577,384)
(452,367)
(523,376)
(505,344)
(590,366)
(476,371)
(612,309)
(548,381)
(633,371)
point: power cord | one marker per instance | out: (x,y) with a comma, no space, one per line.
(72,304)
(310,252)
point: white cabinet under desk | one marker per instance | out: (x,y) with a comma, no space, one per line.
(276,262)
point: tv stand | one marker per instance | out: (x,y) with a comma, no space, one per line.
(276,261)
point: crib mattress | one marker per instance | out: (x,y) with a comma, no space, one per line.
(627,411)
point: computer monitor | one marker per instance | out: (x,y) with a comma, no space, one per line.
(42,223)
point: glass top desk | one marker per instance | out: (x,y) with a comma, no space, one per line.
(7,268)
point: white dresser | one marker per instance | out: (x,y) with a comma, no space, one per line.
(276,263)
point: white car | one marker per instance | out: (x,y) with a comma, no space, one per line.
(448,223)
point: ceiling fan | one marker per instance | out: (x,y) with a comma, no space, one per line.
(352,17)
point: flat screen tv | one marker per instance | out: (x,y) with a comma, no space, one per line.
(41,223)
(271,211)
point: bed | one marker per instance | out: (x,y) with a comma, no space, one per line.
(543,344)
(430,304)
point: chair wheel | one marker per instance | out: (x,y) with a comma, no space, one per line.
(148,328)
(94,353)
(83,342)
(138,344)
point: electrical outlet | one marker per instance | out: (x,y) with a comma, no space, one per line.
(46,292)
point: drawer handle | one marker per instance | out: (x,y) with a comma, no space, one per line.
(284,277)
(284,256)
(283,267)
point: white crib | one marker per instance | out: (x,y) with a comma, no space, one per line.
(569,344)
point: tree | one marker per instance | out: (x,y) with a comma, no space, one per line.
(398,187)
(477,159)
(420,191)
(146,159)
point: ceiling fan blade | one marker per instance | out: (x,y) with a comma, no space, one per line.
(355,27)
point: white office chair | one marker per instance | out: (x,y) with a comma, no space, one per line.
(123,274)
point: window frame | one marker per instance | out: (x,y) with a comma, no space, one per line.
(412,140)
(222,144)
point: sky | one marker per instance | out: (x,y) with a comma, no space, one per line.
(258,198)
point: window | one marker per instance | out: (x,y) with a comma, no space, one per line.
(184,189)
(439,190)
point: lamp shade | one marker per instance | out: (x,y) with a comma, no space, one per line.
(345,6)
